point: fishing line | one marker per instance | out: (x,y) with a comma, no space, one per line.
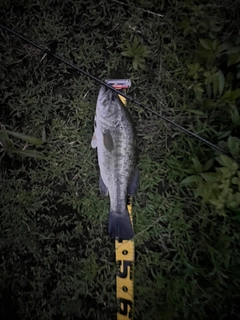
(120,93)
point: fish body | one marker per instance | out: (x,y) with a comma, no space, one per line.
(115,139)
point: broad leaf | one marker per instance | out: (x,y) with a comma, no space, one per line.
(197,165)
(210,176)
(191,179)
(206,43)
(233,145)
(208,164)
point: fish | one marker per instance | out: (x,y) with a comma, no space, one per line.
(115,139)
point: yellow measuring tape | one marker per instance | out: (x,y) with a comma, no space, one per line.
(125,262)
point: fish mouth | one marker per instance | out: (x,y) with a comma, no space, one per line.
(103,91)
(107,102)
(111,95)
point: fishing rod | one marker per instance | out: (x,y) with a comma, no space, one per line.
(120,93)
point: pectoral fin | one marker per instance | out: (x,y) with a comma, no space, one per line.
(102,187)
(94,141)
(133,184)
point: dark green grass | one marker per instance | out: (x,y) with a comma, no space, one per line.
(57,261)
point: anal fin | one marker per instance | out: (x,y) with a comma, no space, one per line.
(102,187)
(133,184)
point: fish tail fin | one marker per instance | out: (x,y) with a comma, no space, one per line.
(120,226)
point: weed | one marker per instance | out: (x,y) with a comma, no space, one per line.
(57,261)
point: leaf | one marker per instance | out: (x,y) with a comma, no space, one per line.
(238,75)
(215,85)
(140,60)
(193,178)
(235,94)
(197,88)
(126,54)
(237,218)
(234,58)
(198,112)
(204,53)
(135,42)
(183,24)
(226,173)
(235,180)
(5,140)
(224,134)
(29,139)
(219,205)
(207,74)
(210,103)
(221,81)
(230,167)
(208,164)
(128,45)
(233,145)
(237,196)
(223,47)
(44,138)
(215,44)
(209,176)
(226,95)
(234,50)
(135,64)
(141,50)
(29,153)
(197,165)
(190,170)
(231,95)
(234,167)
(225,161)
(206,43)
(235,115)
(199,191)
(209,90)
(187,31)
(192,67)
(141,65)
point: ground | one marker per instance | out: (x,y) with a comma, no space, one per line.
(57,261)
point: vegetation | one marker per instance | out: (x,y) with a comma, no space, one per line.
(57,261)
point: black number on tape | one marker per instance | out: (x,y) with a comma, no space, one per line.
(124,273)
(123,305)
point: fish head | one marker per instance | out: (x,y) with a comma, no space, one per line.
(108,104)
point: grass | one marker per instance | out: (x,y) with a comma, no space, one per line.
(57,261)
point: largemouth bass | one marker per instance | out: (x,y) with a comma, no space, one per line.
(115,139)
